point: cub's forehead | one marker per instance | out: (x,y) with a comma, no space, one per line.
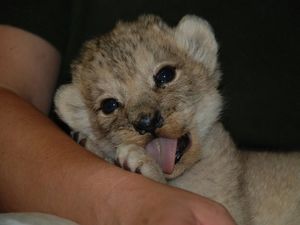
(129,49)
(125,59)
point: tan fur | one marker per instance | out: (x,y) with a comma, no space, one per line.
(257,188)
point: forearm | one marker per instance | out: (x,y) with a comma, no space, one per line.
(42,169)
(29,66)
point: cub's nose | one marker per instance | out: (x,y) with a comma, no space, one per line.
(148,122)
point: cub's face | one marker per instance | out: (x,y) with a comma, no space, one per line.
(148,84)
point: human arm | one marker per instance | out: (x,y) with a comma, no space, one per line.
(44,170)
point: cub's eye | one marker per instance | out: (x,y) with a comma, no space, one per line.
(109,105)
(164,75)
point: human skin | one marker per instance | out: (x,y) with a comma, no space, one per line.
(43,170)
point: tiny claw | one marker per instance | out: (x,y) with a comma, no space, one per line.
(138,170)
(117,163)
(125,166)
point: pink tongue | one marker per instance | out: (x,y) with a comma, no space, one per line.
(163,150)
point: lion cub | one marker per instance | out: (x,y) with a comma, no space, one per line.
(145,96)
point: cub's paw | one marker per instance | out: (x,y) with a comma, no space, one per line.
(133,158)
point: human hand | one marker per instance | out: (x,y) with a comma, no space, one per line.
(141,201)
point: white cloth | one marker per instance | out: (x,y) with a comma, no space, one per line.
(32,219)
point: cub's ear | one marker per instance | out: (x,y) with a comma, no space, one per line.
(195,35)
(71,109)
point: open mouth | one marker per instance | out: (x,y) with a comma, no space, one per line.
(167,152)
(182,146)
